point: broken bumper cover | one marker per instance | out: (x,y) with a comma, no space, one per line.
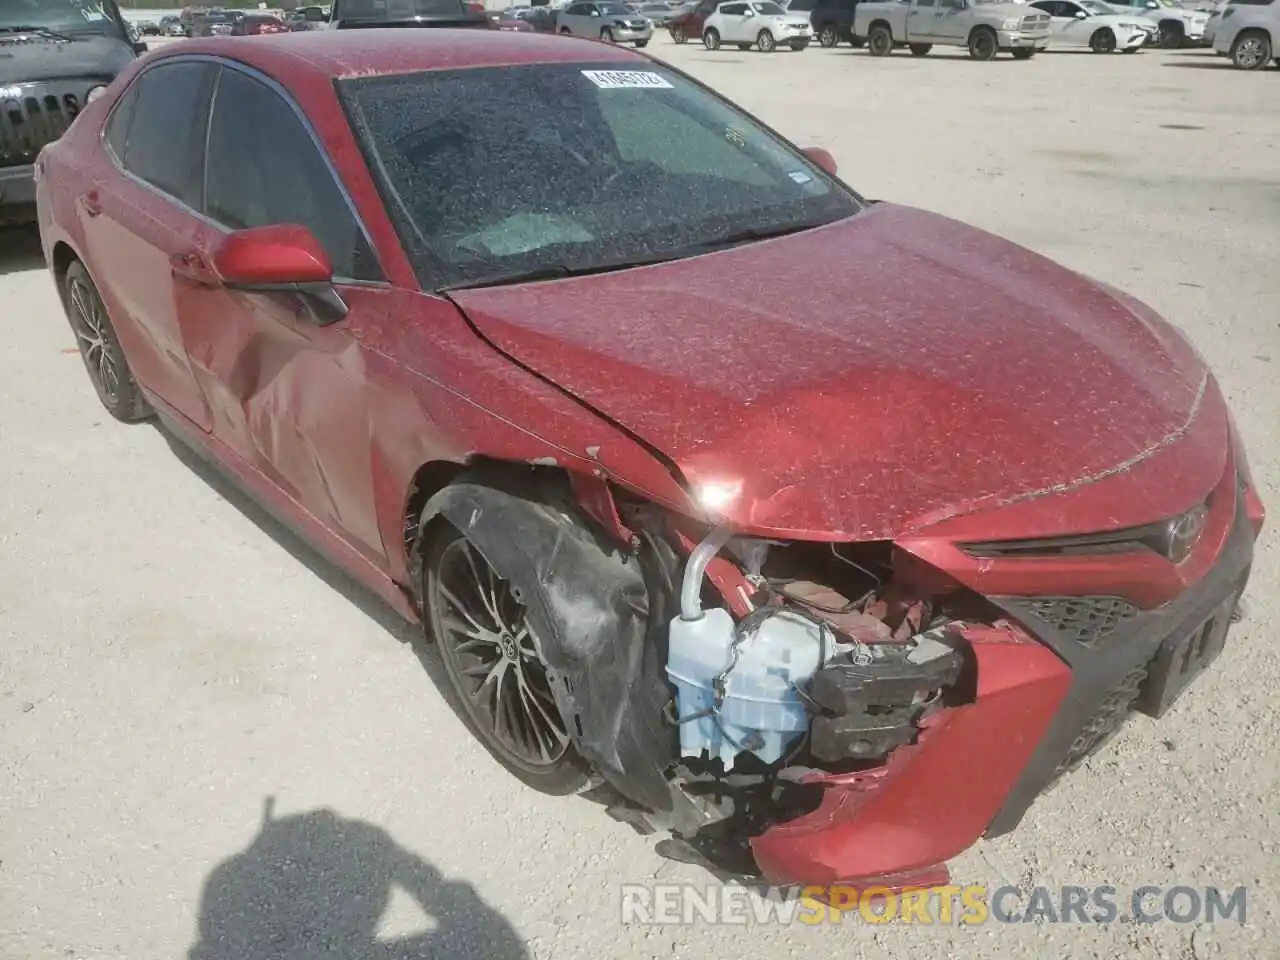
(976,769)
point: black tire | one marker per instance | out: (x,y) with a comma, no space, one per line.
(1023,53)
(100,348)
(711,38)
(1251,50)
(1103,41)
(919,49)
(879,41)
(798,45)
(641,44)
(459,624)
(606,35)
(828,36)
(857,42)
(565,31)
(1130,49)
(678,35)
(765,41)
(744,46)
(1171,34)
(983,44)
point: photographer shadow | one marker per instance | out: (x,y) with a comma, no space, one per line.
(317,885)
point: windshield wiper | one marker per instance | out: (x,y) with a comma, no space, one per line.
(758,233)
(556,271)
(38,31)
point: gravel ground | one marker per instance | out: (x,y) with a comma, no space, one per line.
(171,659)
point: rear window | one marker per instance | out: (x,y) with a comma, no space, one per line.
(395,9)
(575,165)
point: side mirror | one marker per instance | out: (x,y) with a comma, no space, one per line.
(1081,15)
(821,158)
(280,259)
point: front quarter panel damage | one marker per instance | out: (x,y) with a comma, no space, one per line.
(589,607)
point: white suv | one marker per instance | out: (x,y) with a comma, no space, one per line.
(760,23)
(1248,33)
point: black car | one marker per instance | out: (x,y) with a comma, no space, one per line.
(55,56)
(832,20)
(351,14)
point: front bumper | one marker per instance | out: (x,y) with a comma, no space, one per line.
(1017,40)
(1040,707)
(630,34)
(17,195)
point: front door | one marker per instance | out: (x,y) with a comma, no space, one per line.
(951,23)
(288,393)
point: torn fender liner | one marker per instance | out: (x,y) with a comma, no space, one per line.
(588,605)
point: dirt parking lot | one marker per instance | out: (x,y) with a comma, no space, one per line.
(171,659)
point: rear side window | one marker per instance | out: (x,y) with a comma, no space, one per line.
(264,169)
(118,124)
(163,129)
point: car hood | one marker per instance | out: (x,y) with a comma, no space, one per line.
(33,60)
(863,379)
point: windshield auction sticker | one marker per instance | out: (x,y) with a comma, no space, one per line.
(624,79)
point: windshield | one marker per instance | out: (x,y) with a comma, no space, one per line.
(1101,9)
(769,9)
(62,16)
(614,9)
(569,166)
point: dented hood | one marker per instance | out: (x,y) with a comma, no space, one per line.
(865,378)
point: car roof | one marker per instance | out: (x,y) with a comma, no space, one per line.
(391,50)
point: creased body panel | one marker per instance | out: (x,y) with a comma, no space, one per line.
(922,370)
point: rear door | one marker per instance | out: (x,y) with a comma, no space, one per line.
(287,394)
(949,22)
(143,214)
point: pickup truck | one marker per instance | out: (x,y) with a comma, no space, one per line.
(985,27)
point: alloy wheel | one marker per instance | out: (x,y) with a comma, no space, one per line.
(89,323)
(485,637)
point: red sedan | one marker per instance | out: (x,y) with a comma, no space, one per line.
(828,532)
(255,25)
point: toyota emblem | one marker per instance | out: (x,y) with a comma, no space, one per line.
(1183,533)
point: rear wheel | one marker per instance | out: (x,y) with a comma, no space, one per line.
(641,44)
(711,38)
(1251,50)
(100,348)
(983,44)
(1023,53)
(494,668)
(798,45)
(1103,41)
(565,31)
(879,41)
(678,34)
(827,35)
(919,49)
(765,41)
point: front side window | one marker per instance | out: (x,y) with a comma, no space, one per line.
(264,169)
(570,165)
(164,137)
(768,9)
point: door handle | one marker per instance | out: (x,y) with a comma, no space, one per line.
(191,267)
(91,204)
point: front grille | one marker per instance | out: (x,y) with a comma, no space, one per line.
(1087,621)
(39,114)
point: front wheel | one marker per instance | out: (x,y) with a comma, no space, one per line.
(827,36)
(564,31)
(765,41)
(678,35)
(606,35)
(919,49)
(641,44)
(100,348)
(1103,41)
(493,666)
(983,44)
(711,39)
(880,41)
(1023,53)
(744,46)
(798,45)
(1171,34)
(1251,51)
(857,42)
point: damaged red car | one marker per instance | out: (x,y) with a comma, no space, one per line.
(599,379)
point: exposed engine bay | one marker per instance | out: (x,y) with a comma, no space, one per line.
(712,681)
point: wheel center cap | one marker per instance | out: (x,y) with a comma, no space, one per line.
(507,643)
